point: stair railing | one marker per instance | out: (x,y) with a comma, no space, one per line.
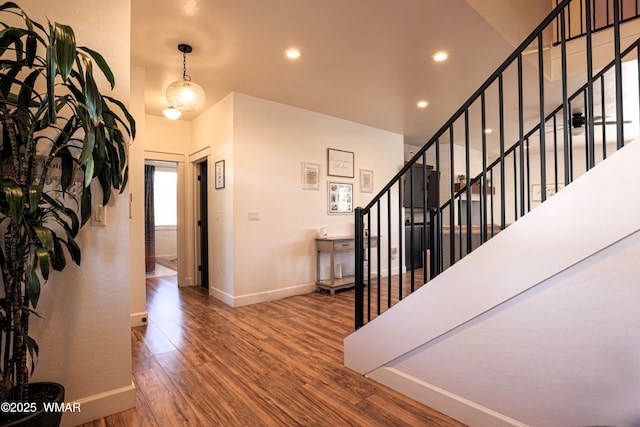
(601,16)
(425,220)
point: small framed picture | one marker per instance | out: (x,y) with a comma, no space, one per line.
(366,181)
(219,172)
(536,191)
(340,163)
(340,197)
(310,176)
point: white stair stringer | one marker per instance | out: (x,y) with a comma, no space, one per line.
(538,326)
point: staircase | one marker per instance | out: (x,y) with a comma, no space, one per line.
(533,326)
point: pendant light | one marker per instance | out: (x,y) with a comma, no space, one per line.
(184,95)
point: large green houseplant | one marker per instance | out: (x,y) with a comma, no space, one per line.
(59,135)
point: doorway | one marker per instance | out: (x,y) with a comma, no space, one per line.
(161,218)
(202,235)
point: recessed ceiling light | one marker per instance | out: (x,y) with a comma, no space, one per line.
(488,130)
(292,53)
(440,56)
(422,104)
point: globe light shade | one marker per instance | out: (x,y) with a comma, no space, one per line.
(172,113)
(185,96)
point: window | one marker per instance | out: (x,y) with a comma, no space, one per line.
(165,182)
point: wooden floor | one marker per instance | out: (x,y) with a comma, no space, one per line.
(201,363)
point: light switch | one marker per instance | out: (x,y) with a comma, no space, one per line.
(254,216)
(99,216)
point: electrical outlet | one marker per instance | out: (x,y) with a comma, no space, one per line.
(254,216)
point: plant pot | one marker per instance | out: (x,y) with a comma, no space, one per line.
(39,393)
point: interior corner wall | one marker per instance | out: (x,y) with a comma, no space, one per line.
(213,133)
(514,20)
(270,143)
(84,332)
(136,188)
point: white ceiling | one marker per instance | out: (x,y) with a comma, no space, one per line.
(367,61)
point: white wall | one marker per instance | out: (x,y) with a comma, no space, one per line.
(264,144)
(84,333)
(139,315)
(546,325)
(213,138)
(166,243)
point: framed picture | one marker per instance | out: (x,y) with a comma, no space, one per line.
(366,181)
(536,191)
(310,176)
(340,197)
(340,163)
(219,171)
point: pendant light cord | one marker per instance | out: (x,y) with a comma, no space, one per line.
(185,77)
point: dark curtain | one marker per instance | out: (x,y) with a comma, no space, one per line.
(149,221)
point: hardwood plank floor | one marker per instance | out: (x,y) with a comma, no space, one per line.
(201,363)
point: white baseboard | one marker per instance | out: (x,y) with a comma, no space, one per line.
(276,294)
(101,405)
(450,404)
(139,319)
(222,296)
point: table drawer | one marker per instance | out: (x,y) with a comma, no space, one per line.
(344,245)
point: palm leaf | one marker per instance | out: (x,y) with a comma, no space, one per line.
(45,236)
(13,196)
(32,285)
(101,63)
(43,262)
(65,49)
(35,194)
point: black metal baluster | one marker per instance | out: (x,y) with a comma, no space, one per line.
(452,201)
(515,187)
(468,195)
(389,246)
(618,74)
(379,278)
(543,158)
(367,236)
(521,129)
(436,248)
(400,233)
(565,100)
(484,187)
(555,153)
(604,118)
(502,178)
(359,291)
(410,255)
(590,131)
(528,174)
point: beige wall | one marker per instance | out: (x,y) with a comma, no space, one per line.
(138,309)
(513,19)
(84,333)
(264,144)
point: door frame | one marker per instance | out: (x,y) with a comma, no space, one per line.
(194,160)
(184,258)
